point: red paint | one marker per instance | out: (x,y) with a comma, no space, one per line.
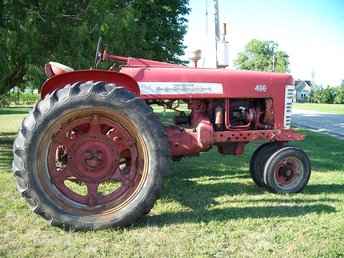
(236,84)
(92,155)
(188,142)
(287,172)
(62,80)
(281,135)
(245,85)
(137,62)
(183,142)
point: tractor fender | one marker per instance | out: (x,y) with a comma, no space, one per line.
(59,81)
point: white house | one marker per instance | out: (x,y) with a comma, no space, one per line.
(303,90)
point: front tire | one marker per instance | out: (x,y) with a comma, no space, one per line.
(90,155)
(258,159)
(287,171)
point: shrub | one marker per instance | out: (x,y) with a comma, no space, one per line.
(4,102)
(339,99)
(18,98)
(326,95)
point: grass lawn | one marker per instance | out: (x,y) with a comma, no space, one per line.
(326,108)
(209,208)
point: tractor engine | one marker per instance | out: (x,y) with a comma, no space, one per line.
(229,124)
(241,114)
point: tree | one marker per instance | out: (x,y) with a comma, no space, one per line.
(339,99)
(328,95)
(34,32)
(324,95)
(262,56)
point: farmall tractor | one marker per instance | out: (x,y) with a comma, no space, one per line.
(92,153)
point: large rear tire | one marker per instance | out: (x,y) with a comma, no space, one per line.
(91,155)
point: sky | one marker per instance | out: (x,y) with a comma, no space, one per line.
(310,31)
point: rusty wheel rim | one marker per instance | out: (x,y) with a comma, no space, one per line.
(289,173)
(91,148)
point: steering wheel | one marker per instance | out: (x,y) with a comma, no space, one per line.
(99,54)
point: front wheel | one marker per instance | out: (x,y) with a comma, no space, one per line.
(89,156)
(258,159)
(287,171)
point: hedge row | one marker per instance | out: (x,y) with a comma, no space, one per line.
(327,95)
(18,98)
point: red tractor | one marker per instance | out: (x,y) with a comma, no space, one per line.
(92,153)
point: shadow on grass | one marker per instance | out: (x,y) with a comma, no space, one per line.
(200,197)
(201,200)
(324,188)
(234,213)
(199,182)
(325,152)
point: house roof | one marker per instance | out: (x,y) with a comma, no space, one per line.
(300,84)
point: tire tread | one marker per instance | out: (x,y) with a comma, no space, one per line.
(89,89)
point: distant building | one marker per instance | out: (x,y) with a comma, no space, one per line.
(303,90)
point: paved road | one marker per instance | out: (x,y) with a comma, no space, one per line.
(320,122)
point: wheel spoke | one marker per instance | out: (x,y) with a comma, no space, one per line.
(125,180)
(118,176)
(95,127)
(59,176)
(121,147)
(122,140)
(61,139)
(92,194)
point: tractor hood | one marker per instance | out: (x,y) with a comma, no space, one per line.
(184,82)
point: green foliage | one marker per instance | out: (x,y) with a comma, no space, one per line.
(339,99)
(18,97)
(258,56)
(34,32)
(328,95)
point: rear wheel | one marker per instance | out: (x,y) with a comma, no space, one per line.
(287,171)
(91,155)
(258,159)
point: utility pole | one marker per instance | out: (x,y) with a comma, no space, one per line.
(217,29)
(221,42)
(216,50)
(273,59)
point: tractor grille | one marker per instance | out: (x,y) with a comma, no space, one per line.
(289,97)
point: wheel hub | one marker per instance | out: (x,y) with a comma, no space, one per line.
(285,175)
(94,158)
(287,172)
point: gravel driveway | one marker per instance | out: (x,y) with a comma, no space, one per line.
(320,122)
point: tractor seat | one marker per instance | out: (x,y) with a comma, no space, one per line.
(53,68)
